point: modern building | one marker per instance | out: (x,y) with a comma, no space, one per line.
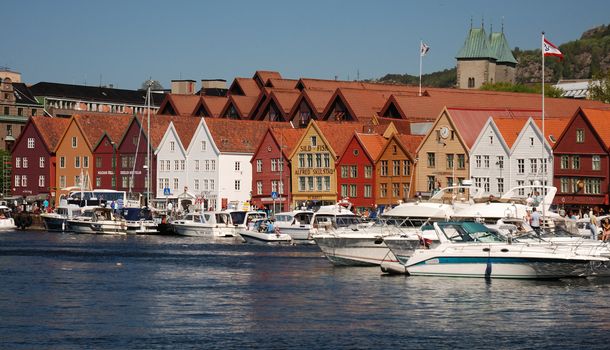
(17,104)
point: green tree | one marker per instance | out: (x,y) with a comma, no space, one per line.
(549,90)
(599,88)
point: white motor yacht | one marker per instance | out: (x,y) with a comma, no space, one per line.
(98,220)
(205,224)
(58,219)
(297,224)
(139,220)
(470,249)
(6,220)
(263,231)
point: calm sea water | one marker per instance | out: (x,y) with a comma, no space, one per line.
(64,291)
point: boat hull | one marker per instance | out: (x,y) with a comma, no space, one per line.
(100,227)
(300,235)
(354,251)
(143,227)
(203,231)
(266,238)
(58,223)
(499,267)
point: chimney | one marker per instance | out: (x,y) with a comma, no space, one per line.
(183,87)
(213,84)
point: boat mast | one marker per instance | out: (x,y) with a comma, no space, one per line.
(148,146)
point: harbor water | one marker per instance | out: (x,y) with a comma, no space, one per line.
(67,291)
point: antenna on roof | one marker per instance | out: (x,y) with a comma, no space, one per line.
(491,28)
(502,24)
(482,22)
(470,22)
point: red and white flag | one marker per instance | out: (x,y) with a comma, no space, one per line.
(551,50)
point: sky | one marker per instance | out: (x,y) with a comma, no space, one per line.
(124,42)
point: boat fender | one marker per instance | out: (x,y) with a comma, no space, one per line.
(378,240)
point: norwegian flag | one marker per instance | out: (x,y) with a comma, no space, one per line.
(551,50)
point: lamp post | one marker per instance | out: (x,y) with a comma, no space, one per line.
(114,162)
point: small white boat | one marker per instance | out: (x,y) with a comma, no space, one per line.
(205,224)
(470,249)
(139,220)
(98,220)
(297,224)
(58,219)
(264,232)
(6,220)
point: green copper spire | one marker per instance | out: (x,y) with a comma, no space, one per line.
(476,45)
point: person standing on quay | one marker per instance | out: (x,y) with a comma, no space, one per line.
(593,224)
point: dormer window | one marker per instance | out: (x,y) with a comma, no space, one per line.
(314,141)
(172,146)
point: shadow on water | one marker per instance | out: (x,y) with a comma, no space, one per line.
(75,291)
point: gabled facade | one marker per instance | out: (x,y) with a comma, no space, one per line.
(271,169)
(442,157)
(74,160)
(394,172)
(581,167)
(210,106)
(33,157)
(355,170)
(490,168)
(178,104)
(309,106)
(277,106)
(238,107)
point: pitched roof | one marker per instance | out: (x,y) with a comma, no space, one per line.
(239,136)
(180,104)
(322,84)
(285,99)
(50,129)
(185,128)
(213,104)
(243,105)
(318,99)
(509,128)
(282,83)
(373,144)
(476,45)
(23,94)
(599,119)
(94,93)
(499,46)
(265,75)
(287,138)
(361,104)
(339,134)
(553,127)
(245,87)
(94,126)
(410,142)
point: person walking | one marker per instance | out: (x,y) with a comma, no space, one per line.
(535,221)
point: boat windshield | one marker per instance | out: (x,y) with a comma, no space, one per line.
(303,218)
(400,221)
(347,220)
(469,232)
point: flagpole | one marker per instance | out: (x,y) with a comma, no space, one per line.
(421,45)
(543,134)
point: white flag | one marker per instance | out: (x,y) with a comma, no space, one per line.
(551,50)
(424,49)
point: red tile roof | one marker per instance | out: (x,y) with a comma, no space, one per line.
(339,135)
(287,138)
(322,84)
(373,144)
(246,86)
(50,129)
(318,99)
(214,104)
(94,126)
(282,83)
(265,75)
(239,136)
(509,128)
(181,104)
(285,99)
(600,120)
(185,127)
(553,127)
(410,142)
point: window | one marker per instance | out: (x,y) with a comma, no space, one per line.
(353,171)
(500,185)
(344,171)
(85,161)
(18,180)
(172,146)
(205,184)
(196,184)
(24,181)
(368,171)
(259,187)
(301,160)
(41,162)
(161,184)
(237,185)
(383,190)
(531,142)
(486,184)
(62,181)
(344,191)
(134,140)
(25,162)
(431,160)
(396,168)
(500,162)
(461,161)
(176,165)
(213,164)
(7,111)
(533,165)
(575,162)
(168,165)
(326,160)
(318,160)
(450,182)
(204,145)
(470,82)
(182,164)
(310,160)
(592,186)
(274,186)
(486,161)
(176,184)
(521,166)
(273,164)
(74,142)
(77,180)
(368,192)
(491,140)
(405,190)
(98,181)
(237,166)
(62,163)
(281,187)
(431,183)
(384,168)
(18,162)
(197,165)
(30,142)
(596,163)
(543,162)
(314,141)
(477,161)
(98,162)
(280,164)
(450,161)
(301,183)
(77,162)
(565,184)
(395,190)
(326,183)
(124,161)
(310,183)
(580,135)
(207,165)
(353,191)
(406,167)
(565,162)
(521,190)
(124,181)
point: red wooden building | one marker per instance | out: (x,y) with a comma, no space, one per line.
(271,168)
(581,168)
(33,157)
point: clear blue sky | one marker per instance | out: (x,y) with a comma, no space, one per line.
(128,41)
